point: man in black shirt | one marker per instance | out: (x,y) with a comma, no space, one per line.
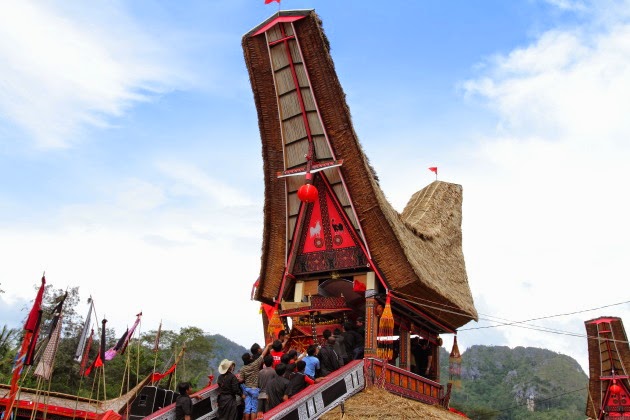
(423,354)
(278,387)
(183,403)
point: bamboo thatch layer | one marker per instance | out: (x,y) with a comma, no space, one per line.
(419,252)
(377,403)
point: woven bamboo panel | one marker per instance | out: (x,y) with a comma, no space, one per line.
(295,52)
(351,217)
(293,129)
(307,97)
(291,225)
(321,148)
(300,72)
(316,125)
(290,105)
(295,153)
(332,175)
(279,58)
(284,81)
(294,182)
(341,194)
(293,204)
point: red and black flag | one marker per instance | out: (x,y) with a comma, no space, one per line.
(100,357)
(31,327)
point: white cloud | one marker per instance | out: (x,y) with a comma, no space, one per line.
(192,283)
(545,225)
(62,72)
(190,180)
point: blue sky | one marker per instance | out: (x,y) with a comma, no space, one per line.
(130,152)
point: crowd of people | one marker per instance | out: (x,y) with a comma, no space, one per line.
(275,373)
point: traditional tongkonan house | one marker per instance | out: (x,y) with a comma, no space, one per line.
(609,364)
(334,249)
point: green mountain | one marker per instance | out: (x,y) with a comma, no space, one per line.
(224,348)
(521,383)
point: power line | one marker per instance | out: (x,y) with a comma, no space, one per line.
(416,301)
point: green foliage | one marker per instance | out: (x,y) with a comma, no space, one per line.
(498,382)
(8,347)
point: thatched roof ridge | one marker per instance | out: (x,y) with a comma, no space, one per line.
(419,251)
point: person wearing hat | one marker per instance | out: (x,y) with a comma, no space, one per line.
(229,389)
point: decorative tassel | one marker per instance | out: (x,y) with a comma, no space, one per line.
(455,366)
(275,324)
(385,348)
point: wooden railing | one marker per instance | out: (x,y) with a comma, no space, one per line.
(402,382)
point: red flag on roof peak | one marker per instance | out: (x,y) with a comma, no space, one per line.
(271,1)
(433,169)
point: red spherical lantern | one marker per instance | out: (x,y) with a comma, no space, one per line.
(307,193)
(614,388)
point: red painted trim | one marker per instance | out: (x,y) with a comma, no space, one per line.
(51,409)
(603,320)
(279,19)
(278,41)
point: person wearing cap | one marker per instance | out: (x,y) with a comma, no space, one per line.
(229,389)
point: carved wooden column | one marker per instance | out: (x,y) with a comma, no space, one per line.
(371,321)
(404,346)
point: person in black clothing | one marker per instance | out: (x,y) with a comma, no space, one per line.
(423,354)
(328,358)
(229,389)
(183,403)
(298,380)
(353,342)
(277,388)
(360,327)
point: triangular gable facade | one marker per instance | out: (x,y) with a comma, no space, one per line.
(328,240)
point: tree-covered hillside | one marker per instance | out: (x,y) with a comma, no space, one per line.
(520,383)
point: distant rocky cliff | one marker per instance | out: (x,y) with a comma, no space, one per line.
(520,383)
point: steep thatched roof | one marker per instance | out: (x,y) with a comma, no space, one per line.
(418,252)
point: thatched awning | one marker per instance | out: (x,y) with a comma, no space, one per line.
(419,252)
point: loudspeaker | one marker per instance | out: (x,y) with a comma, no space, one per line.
(160,397)
(144,403)
(171,397)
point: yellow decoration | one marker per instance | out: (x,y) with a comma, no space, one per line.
(385,348)
(275,324)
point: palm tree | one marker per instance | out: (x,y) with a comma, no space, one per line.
(8,340)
